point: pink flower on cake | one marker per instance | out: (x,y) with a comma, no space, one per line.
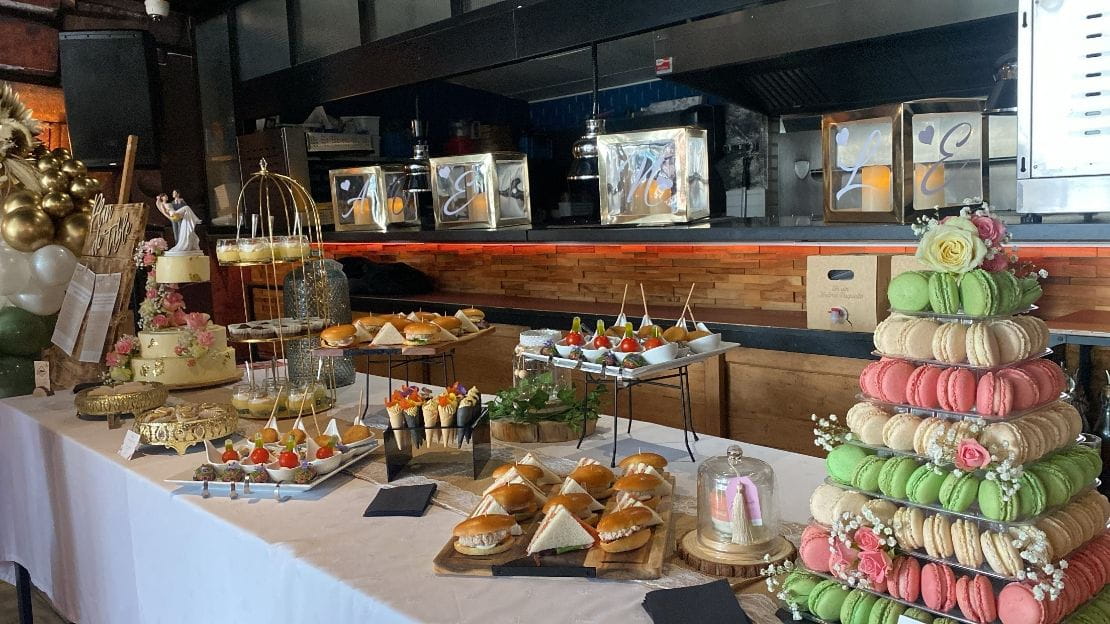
(148,259)
(970,455)
(875,564)
(159,321)
(196,320)
(178,317)
(124,345)
(151,293)
(205,338)
(866,539)
(991,230)
(112,359)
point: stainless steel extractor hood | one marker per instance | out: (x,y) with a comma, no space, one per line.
(811,56)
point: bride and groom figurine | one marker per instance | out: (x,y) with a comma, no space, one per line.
(184,222)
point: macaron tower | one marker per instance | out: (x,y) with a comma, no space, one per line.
(958,486)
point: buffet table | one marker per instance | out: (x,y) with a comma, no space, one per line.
(109,541)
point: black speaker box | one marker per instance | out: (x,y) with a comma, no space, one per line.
(108,78)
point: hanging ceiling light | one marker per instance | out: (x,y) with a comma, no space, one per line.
(1003,97)
(418,180)
(584,165)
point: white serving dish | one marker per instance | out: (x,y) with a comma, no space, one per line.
(662,353)
(594,355)
(705,344)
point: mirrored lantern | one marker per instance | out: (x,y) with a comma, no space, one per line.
(481,191)
(885,163)
(654,176)
(372,198)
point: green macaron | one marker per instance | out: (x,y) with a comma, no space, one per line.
(919,614)
(1076,470)
(924,485)
(1009,292)
(826,599)
(798,584)
(1088,456)
(1057,484)
(944,293)
(866,474)
(895,475)
(1031,496)
(885,612)
(857,607)
(909,291)
(958,491)
(1030,291)
(978,293)
(842,460)
(993,506)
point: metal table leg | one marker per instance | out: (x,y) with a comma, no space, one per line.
(23,594)
(687,401)
(616,419)
(687,417)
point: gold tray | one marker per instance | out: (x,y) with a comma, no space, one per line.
(181,435)
(133,403)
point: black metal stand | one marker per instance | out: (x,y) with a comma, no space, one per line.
(681,374)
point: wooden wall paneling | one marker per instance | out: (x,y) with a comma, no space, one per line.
(28,47)
(773,393)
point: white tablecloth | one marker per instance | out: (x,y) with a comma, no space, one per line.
(110,542)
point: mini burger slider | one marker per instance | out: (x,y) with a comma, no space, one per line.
(476,316)
(368,326)
(338,336)
(484,535)
(528,471)
(449,323)
(577,504)
(597,480)
(640,486)
(420,333)
(516,499)
(624,530)
(654,460)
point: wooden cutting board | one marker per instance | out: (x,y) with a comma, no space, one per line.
(645,562)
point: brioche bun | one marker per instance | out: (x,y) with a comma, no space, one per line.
(531,473)
(654,460)
(625,544)
(674,334)
(480,525)
(338,336)
(474,314)
(420,333)
(425,316)
(398,322)
(576,503)
(638,483)
(449,323)
(596,480)
(515,497)
(627,518)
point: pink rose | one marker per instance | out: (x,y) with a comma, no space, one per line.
(866,539)
(159,321)
(841,558)
(998,263)
(179,350)
(148,259)
(875,564)
(124,346)
(991,230)
(205,339)
(112,359)
(970,455)
(151,293)
(178,318)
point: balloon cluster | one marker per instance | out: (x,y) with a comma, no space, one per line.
(59,213)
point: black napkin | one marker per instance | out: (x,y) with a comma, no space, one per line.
(712,602)
(408,500)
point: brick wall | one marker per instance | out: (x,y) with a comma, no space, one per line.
(770,277)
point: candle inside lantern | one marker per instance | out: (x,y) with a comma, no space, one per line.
(876,188)
(361,207)
(928,193)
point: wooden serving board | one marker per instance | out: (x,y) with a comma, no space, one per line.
(440,347)
(645,562)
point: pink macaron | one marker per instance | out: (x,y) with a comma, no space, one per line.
(956,389)
(814,548)
(994,396)
(1026,391)
(868,380)
(1049,377)
(904,580)
(938,586)
(892,376)
(1017,605)
(921,387)
(976,599)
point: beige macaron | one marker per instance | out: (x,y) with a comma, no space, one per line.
(1037,330)
(851,503)
(938,536)
(1056,534)
(899,431)
(1035,437)
(883,510)
(915,340)
(928,430)
(1001,554)
(869,425)
(950,343)
(1004,439)
(1014,344)
(982,348)
(909,528)
(822,503)
(886,333)
(965,542)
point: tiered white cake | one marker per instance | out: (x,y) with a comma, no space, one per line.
(158,361)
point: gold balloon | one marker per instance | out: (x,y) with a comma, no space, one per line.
(39,151)
(22,198)
(82,187)
(47,163)
(84,205)
(57,204)
(72,231)
(74,168)
(61,153)
(54,181)
(27,229)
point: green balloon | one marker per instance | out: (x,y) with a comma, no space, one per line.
(17,376)
(23,333)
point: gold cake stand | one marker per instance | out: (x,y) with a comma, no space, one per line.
(133,403)
(181,435)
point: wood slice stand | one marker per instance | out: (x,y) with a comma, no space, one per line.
(737,565)
(543,431)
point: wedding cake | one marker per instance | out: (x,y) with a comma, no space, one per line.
(167,356)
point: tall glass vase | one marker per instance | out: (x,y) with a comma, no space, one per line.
(318,288)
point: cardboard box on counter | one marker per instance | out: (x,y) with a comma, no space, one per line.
(901,264)
(846,293)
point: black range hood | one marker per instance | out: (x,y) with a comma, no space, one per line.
(813,56)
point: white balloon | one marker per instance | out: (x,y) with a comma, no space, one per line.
(53,265)
(43,304)
(15,271)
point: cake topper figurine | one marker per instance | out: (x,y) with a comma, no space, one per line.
(184,222)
